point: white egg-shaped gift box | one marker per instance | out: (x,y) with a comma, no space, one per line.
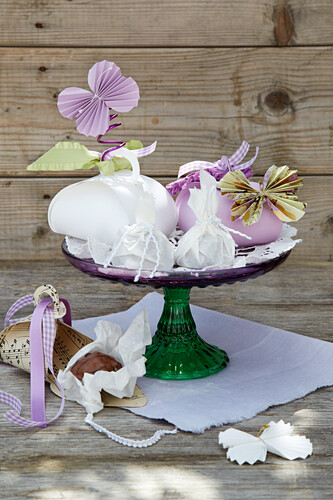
(101,205)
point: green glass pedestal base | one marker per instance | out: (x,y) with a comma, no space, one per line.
(177,352)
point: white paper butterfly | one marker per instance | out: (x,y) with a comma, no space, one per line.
(276,438)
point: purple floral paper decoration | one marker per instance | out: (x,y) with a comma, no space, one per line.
(110,90)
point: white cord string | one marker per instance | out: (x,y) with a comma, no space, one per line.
(109,260)
(143,256)
(158,255)
(216,220)
(144,443)
(146,227)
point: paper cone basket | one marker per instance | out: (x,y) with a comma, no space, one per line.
(15,350)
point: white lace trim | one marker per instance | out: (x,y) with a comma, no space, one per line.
(258,254)
(144,443)
(262,253)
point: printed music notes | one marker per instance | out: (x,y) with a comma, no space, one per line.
(67,342)
(15,345)
(15,350)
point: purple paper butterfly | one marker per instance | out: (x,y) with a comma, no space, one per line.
(92,109)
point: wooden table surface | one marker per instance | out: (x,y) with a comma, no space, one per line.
(69,460)
(211,73)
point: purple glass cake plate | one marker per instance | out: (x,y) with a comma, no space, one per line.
(177,351)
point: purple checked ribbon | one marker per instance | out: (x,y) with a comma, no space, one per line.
(41,346)
(217,169)
(139,153)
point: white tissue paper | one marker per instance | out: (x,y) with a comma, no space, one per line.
(276,438)
(142,246)
(126,347)
(208,242)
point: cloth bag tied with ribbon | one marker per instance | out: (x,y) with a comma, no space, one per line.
(208,242)
(142,246)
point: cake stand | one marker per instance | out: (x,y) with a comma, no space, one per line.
(177,351)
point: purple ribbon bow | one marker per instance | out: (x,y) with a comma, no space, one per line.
(41,345)
(217,169)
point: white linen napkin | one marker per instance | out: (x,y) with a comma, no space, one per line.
(267,367)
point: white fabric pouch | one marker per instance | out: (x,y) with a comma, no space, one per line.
(142,246)
(208,243)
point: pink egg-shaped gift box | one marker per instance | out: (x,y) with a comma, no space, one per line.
(266,230)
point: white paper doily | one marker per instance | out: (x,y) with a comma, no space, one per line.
(98,252)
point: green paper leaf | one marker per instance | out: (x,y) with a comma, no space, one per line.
(91,164)
(66,156)
(109,167)
(74,156)
(133,144)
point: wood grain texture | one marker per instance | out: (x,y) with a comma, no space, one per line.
(290,297)
(198,104)
(115,23)
(199,100)
(69,460)
(26,235)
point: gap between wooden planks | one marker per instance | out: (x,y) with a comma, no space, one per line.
(197,103)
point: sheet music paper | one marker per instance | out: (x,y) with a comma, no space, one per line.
(15,350)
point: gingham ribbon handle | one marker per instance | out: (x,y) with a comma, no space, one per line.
(41,345)
(139,153)
(145,151)
(232,163)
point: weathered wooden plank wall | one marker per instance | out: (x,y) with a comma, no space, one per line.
(25,232)
(210,74)
(195,102)
(165,23)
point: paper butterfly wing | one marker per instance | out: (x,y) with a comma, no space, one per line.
(290,447)
(72,100)
(102,75)
(243,447)
(249,453)
(233,437)
(277,429)
(125,96)
(117,91)
(94,119)
(279,440)
(91,113)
